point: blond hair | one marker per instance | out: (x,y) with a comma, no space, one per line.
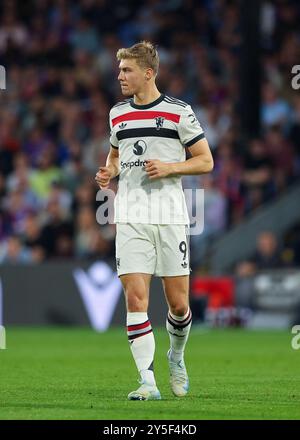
(144,53)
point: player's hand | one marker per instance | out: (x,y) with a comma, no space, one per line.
(103,177)
(157,169)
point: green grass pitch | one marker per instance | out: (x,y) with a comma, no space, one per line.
(65,373)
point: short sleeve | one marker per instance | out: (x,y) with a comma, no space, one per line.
(189,128)
(113,138)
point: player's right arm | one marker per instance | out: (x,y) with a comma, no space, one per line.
(111,169)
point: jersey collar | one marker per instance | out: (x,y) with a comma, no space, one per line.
(152,104)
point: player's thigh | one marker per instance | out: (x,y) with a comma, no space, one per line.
(172,248)
(176,291)
(135,249)
(136,289)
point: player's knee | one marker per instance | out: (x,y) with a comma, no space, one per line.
(136,301)
(179,309)
(136,305)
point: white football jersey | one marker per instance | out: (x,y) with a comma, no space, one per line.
(159,130)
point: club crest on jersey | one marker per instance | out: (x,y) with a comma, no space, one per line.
(139,147)
(159,122)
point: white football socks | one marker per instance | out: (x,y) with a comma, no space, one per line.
(178,328)
(142,344)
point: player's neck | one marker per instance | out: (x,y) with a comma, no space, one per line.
(147,96)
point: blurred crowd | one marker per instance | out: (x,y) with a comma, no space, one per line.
(272,253)
(61,82)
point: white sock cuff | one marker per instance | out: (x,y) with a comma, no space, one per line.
(180,318)
(136,318)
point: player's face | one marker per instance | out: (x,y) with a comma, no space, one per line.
(131,77)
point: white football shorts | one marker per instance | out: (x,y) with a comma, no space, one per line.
(160,250)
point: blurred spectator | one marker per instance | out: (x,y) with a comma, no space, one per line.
(87,232)
(17,206)
(33,239)
(58,232)
(85,37)
(215,125)
(281,154)
(21,173)
(74,173)
(12,33)
(267,255)
(42,179)
(85,195)
(245,269)
(229,171)
(12,252)
(58,194)
(257,175)
(274,109)
(36,145)
(96,149)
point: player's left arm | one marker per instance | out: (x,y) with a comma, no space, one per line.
(201,162)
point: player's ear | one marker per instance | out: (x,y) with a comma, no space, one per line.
(148,74)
